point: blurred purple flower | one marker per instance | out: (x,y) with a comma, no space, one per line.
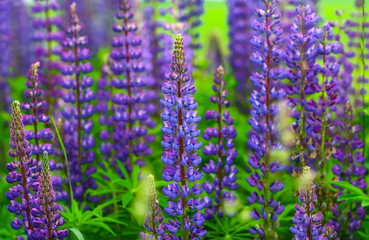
(78,110)
(224,150)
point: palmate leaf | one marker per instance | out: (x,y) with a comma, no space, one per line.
(355,195)
(85,220)
(116,186)
(228,228)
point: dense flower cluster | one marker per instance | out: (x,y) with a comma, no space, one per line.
(306,108)
(5,57)
(46,214)
(307,223)
(153,218)
(36,106)
(179,143)
(262,138)
(302,51)
(350,167)
(79,110)
(131,119)
(48,36)
(22,172)
(223,151)
(104,108)
(239,20)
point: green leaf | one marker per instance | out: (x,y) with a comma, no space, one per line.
(127,198)
(65,158)
(348,187)
(365,203)
(103,225)
(77,233)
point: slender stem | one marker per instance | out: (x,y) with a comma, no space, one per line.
(64,161)
(181,150)
(308,213)
(322,150)
(49,219)
(153,212)
(302,93)
(129,90)
(34,110)
(78,91)
(268,233)
(363,66)
(220,141)
(25,194)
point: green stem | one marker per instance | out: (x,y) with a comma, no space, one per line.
(302,93)
(363,66)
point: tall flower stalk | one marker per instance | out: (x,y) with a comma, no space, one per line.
(46,214)
(223,151)
(363,60)
(240,15)
(350,168)
(48,37)
(36,106)
(131,118)
(79,110)
(179,143)
(23,170)
(263,136)
(154,218)
(302,52)
(307,223)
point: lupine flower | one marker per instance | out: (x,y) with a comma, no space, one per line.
(302,50)
(322,114)
(195,10)
(307,223)
(152,47)
(262,139)
(22,172)
(48,37)
(356,32)
(104,108)
(78,138)
(239,20)
(350,168)
(179,143)
(46,214)
(35,105)
(131,118)
(5,99)
(223,151)
(154,218)
(21,32)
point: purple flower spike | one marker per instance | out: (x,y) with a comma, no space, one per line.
(350,168)
(263,136)
(302,51)
(22,172)
(46,214)
(307,224)
(35,105)
(223,150)
(131,117)
(5,57)
(154,218)
(320,120)
(239,20)
(78,110)
(48,36)
(179,143)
